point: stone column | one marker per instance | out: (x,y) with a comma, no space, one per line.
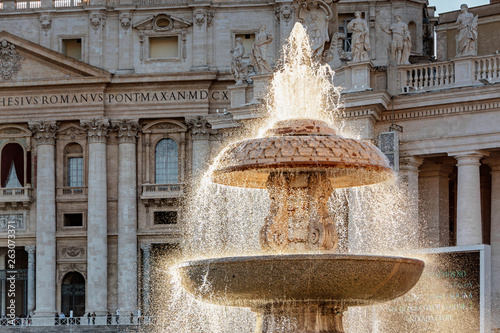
(495,241)
(146,262)
(408,176)
(202,17)
(200,134)
(31,277)
(97,221)
(125,41)
(45,134)
(127,214)
(3,253)
(469,226)
(434,197)
(97,19)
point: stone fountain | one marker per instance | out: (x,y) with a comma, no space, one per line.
(302,285)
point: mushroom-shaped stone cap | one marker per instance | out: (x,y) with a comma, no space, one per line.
(302,145)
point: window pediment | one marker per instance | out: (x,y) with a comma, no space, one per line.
(162,23)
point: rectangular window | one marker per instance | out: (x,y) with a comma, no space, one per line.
(72,48)
(168,217)
(75,171)
(164,47)
(73,220)
(248,41)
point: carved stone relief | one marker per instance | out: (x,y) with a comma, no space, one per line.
(16,220)
(10,60)
(73,252)
(46,22)
(66,268)
(125,20)
(284,13)
(97,20)
(202,15)
(97,129)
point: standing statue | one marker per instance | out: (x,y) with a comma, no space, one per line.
(467,32)
(360,44)
(401,41)
(238,68)
(259,51)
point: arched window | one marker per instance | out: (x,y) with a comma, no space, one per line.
(12,170)
(74,165)
(166,162)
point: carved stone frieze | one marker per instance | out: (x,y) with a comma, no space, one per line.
(97,129)
(63,269)
(10,60)
(45,131)
(200,128)
(9,221)
(72,252)
(127,129)
(71,132)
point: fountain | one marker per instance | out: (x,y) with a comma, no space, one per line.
(301,284)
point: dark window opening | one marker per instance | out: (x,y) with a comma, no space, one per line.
(73,220)
(168,217)
(72,48)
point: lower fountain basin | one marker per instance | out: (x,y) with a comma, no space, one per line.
(253,281)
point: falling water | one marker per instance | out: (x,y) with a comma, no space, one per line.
(225,221)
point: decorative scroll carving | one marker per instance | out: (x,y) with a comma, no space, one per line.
(315,15)
(200,128)
(17,220)
(97,20)
(97,129)
(284,12)
(202,15)
(127,129)
(45,131)
(73,252)
(10,60)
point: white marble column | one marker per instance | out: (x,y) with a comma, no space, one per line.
(495,241)
(146,264)
(434,197)
(469,225)
(97,222)
(127,214)
(408,176)
(45,133)
(200,134)
(31,277)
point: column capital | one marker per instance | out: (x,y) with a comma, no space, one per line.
(45,131)
(127,129)
(97,129)
(410,163)
(146,247)
(30,249)
(469,157)
(200,128)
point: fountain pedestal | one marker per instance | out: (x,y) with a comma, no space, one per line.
(304,317)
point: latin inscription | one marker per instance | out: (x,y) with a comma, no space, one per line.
(114,98)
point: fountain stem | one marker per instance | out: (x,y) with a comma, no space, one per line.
(298,219)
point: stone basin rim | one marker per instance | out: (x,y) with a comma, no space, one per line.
(299,257)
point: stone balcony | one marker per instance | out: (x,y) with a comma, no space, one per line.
(71,193)
(16,196)
(158,192)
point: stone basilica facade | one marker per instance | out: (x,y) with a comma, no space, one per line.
(111,110)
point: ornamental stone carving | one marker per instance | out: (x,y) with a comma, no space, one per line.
(97,20)
(202,15)
(73,252)
(401,41)
(66,268)
(315,16)
(46,22)
(45,131)
(127,129)
(7,222)
(284,12)
(97,129)
(200,128)
(10,60)
(360,43)
(259,51)
(125,20)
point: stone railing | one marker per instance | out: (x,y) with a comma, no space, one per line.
(72,191)
(28,4)
(431,76)
(152,191)
(70,3)
(124,320)
(15,195)
(457,72)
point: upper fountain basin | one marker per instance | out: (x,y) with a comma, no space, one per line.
(298,145)
(253,281)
